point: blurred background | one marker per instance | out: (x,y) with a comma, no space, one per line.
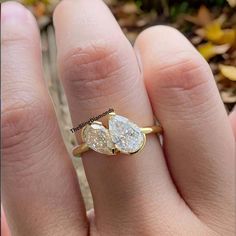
(210,25)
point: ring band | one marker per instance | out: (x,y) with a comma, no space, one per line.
(122,136)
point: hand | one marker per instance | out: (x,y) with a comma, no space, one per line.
(186,188)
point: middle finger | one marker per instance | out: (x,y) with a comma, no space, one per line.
(99,70)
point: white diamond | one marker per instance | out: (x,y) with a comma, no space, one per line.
(126,135)
(97,137)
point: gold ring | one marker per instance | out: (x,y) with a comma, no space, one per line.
(122,136)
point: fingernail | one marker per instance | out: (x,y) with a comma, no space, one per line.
(13,12)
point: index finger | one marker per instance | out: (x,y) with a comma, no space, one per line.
(40,191)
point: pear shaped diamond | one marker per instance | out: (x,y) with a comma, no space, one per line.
(126,135)
(97,137)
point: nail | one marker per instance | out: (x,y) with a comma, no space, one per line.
(13,12)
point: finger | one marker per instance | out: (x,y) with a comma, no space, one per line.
(99,71)
(4,227)
(232,119)
(198,139)
(40,192)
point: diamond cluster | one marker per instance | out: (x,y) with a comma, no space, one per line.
(122,135)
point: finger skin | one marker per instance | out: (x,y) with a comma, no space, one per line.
(198,139)
(4,226)
(99,70)
(232,119)
(40,192)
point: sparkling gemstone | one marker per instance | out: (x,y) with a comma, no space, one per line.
(97,137)
(126,135)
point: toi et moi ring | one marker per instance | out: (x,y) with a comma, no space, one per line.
(121,136)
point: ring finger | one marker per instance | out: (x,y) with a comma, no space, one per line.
(99,70)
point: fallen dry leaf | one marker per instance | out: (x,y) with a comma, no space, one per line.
(130,8)
(202,18)
(228,71)
(213,31)
(229,36)
(39,9)
(200,32)
(228,97)
(209,50)
(196,40)
(232,3)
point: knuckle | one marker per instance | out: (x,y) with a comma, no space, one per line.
(188,76)
(22,121)
(27,131)
(180,67)
(186,71)
(95,68)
